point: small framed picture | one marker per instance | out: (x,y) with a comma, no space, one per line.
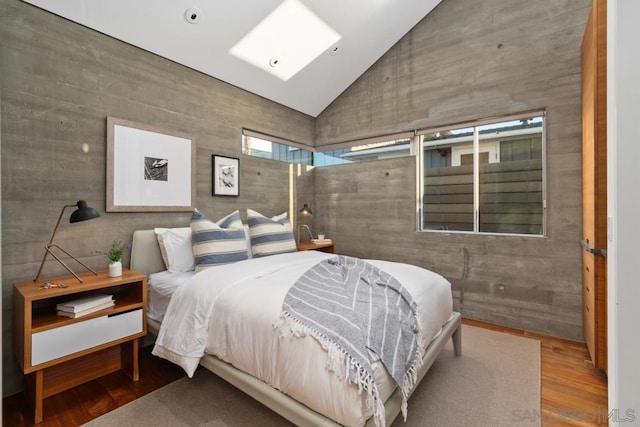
(226,176)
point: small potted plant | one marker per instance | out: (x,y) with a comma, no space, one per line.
(115,257)
(320,235)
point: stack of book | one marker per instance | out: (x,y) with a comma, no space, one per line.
(321,241)
(86,305)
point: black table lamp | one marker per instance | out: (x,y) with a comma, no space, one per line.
(305,211)
(83,213)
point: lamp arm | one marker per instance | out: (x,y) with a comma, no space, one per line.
(308,230)
(49,245)
(58,222)
(48,250)
(51,240)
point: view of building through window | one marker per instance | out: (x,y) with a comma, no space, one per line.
(257,147)
(365,152)
(504,194)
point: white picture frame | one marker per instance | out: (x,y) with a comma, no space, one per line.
(149,169)
(225,179)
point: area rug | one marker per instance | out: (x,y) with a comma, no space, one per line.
(496,382)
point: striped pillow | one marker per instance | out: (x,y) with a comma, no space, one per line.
(270,236)
(216,243)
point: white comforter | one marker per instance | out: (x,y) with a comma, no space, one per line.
(228,311)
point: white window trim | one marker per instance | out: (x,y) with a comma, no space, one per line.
(493,148)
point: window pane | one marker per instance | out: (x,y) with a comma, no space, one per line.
(257,147)
(448,182)
(329,158)
(365,153)
(511,197)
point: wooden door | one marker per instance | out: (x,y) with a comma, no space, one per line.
(594,184)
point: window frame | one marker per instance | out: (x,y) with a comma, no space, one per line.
(419,147)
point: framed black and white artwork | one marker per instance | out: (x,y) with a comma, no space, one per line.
(226,176)
(148,168)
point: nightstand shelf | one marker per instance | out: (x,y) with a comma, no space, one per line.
(57,352)
(46,318)
(322,247)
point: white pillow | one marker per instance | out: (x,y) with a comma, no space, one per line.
(283,215)
(270,236)
(175,246)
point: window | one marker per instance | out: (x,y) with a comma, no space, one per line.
(366,151)
(260,145)
(270,147)
(484,177)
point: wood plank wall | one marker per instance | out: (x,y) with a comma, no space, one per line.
(469,59)
(59,81)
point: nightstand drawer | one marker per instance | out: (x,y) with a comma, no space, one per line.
(65,340)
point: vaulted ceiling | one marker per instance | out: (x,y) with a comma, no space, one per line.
(299,53)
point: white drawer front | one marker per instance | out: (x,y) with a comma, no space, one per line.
(65,340)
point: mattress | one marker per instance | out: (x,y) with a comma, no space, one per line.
(229,312)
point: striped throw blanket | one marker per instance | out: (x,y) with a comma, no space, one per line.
(359,313)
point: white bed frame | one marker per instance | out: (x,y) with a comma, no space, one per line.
(146,258)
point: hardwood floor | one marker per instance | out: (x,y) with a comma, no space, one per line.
(88,401)
(573,393)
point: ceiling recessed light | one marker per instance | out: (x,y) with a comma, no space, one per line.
(292,34)
(193,15)
(274,62)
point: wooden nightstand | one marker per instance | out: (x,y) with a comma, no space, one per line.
(322,247)
(57,353)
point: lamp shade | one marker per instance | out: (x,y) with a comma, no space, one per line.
(83,212)
(305,210)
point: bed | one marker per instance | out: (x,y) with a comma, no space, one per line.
(146,258)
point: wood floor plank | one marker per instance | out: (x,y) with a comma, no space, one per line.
(85,402)
(573,393)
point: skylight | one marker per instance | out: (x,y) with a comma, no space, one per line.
(286,41)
